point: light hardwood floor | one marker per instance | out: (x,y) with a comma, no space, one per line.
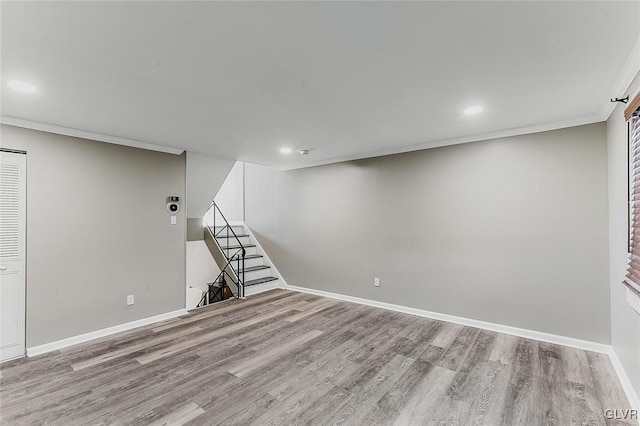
(291,358)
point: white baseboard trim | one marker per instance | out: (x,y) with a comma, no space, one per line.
(281,282)
(70,341)
(632,396)
(500,328)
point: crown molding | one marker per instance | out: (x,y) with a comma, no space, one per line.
(455,141)
(628,73)
(83,134)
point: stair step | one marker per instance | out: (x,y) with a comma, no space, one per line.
(256,268)
(238,229)
(249,256)
(222,237)
(236,246)
(259,281)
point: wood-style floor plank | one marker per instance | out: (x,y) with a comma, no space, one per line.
(179,416)
(137,347)
(246,366)
(217,333)
(289,358)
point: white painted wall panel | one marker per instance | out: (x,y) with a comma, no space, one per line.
(230,198)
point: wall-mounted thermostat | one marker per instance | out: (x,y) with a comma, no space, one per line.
(173,205)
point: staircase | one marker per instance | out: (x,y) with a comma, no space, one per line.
(257,271)
(244,269)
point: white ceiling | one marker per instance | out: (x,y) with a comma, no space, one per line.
(345,80)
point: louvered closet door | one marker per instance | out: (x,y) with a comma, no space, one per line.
(13,217)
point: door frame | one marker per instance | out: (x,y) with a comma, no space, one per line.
(23,233)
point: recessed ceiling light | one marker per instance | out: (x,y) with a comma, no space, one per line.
(21,86)
(473,110)
(285,150)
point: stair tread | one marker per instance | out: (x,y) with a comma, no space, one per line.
(249,256)
(256,268)
(259,281)
(231,236)
(237,246)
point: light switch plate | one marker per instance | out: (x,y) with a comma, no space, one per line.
(174,220)
(130,300)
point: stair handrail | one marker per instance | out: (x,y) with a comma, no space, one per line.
(230,259)
(242,250)
(207,292)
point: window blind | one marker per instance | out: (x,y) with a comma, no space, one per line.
(632,279)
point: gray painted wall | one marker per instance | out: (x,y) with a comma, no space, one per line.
(84,253)
(512,231)
(625,322)
(195,231)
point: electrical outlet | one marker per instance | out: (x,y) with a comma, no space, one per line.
(376,282)
(130,300)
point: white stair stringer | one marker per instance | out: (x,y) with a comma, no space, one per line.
(262,267)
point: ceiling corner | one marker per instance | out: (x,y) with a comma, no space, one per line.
(83,134)
(626,77)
